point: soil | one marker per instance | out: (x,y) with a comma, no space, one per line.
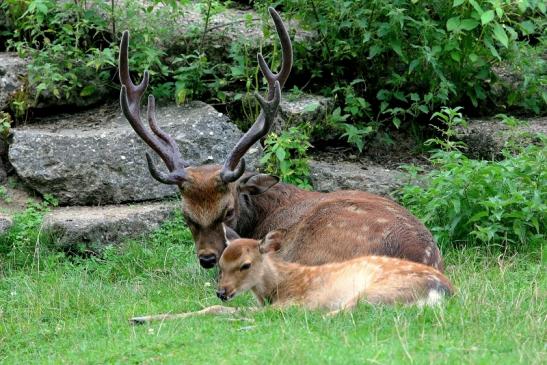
(402,149)
(16,197)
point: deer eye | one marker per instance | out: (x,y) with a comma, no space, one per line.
(245,266)
(229,214)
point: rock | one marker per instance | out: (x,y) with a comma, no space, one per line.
(105,224)
(225,30)
(12,72)
(95,157)
(296,110)
(486,139)
(5,224)
(332,176)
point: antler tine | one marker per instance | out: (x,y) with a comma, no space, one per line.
(162,143)
(234,166)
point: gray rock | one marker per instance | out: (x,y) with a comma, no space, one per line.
(329,176)
(12,72)
(304,108)
(485,139)
(104,225)
(296,110)
(182,31)
(99,159)
(5,224)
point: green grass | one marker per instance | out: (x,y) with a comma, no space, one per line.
(63,309)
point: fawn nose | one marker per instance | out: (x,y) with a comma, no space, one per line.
(221,294)
(208,261)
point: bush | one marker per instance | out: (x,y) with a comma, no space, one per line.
(483,202)
(394,61)
(285,155)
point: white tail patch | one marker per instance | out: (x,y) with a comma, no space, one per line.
(434,297)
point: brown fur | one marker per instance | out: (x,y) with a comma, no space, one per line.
(321,227)
(334,286)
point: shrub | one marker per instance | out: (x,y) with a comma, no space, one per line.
(285,155)
(485,202)
(394,61)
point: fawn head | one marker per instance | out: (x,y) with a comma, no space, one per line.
(241,263)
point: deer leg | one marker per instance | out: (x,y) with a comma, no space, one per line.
(215,310)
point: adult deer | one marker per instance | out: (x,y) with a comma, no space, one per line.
(321,227)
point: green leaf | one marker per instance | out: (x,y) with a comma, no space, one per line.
(457,3)
(88,90)
(453,23)
(396,46)
(500,35)
(476,6)
(311,107)
(280,154)
(499,12)
(527,27)
(487,17)
(469,24)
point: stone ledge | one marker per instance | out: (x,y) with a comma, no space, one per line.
(103,225)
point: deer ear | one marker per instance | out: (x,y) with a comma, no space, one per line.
(272,242)
(257,184)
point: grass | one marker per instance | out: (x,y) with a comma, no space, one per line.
(61,309)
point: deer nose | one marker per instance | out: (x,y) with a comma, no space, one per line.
(221,294)
(208,261)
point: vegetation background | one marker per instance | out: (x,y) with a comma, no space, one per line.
(391,66)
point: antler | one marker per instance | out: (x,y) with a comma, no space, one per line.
(234,166)
(164,145)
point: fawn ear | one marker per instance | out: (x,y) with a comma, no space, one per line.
(272,242)
(257,183)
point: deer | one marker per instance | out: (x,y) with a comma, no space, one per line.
(225,200)
(248,264)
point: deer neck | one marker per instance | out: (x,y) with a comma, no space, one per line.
(254,209)
(279,281)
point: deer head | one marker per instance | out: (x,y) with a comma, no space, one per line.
(211,194)
(241,263)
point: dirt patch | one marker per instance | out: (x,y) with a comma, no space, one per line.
(14,197)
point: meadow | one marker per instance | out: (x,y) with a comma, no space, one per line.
(62,308)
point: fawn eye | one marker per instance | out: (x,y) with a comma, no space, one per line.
(245,266)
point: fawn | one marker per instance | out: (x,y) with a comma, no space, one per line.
(248,264)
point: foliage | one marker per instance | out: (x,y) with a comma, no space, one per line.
(487,202)
(285,155)
(23,242)
(5,125)
(394,61)
(450,119)
(60,38)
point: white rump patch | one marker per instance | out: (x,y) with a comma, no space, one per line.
(434,297)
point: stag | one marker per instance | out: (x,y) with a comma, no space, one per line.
(321,227)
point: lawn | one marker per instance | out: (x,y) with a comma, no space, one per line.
(69,309)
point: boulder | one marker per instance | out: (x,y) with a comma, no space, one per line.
(303,108)
(99,226)
(230,32)
(297,109)
(95,157)
(485,139)
(332,176)
(5,224)
(12,72)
